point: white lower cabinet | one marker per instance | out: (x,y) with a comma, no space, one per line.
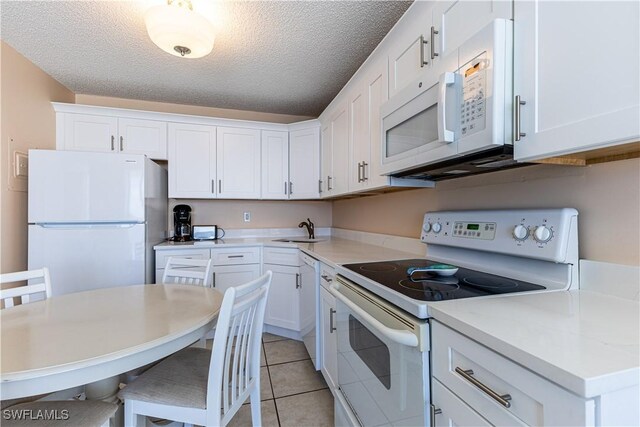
(448,410)
(283,303)
(497,389)
(329,340)
(226,276)
(163,256)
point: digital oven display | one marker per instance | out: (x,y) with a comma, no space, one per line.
(473,226)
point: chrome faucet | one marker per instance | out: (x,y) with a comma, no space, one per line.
(310,228)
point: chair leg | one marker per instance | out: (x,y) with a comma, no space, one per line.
(256,416)
(130,418)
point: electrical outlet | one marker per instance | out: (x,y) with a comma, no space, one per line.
(21,163)
(247,217)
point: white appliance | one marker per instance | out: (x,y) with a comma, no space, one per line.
(383,309)
(94,218)
(309,297)
(459,107)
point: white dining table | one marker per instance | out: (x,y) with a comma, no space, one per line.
(75,339)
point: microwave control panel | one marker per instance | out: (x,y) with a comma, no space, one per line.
(473,109)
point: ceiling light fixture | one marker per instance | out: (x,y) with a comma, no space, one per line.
(178,30)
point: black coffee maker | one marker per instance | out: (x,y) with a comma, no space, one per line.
(182,223)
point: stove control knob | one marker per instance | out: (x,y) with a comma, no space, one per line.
(542,234)
(427,227)
(520,232)
(437,227)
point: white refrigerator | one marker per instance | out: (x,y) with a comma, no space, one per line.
(95,217)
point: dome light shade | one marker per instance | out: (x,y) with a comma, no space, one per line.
(178,30)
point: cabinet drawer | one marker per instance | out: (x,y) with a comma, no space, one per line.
(232,256)
(162,256)
(531,400)
(281,256)
(327,275)
(454,412)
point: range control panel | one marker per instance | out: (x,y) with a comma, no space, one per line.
(533,233)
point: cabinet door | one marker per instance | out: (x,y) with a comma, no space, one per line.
(359,153)
(329,341)
(192,161)
(225,276)
(147,137)
(340,150)
(377,94)
(275,165)
(327,160)
(238,163)
(408,54)
(283,303)
(455,21)
(84,132)
(451,411)
(576,67)
(304,163)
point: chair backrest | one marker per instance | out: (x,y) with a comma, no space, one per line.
(40,283)
(186,271)
(235,357)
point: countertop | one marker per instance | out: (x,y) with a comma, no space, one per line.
(586,342)
(330,250)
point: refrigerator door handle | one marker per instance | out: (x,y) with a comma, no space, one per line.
(63,226)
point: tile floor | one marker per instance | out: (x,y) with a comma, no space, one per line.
(293,393)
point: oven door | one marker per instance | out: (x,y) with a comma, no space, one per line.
(382,371)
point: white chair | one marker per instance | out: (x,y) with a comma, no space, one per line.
(85,413)
(186,271)
(25,292)
(207,387)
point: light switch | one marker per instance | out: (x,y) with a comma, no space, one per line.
(21,163)
(247,217)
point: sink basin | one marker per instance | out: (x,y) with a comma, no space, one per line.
(300,240)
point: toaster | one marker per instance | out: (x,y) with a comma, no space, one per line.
(204,232)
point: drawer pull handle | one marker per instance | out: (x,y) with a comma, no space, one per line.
(327,278)
(235,256)
(501,399)
(331,327)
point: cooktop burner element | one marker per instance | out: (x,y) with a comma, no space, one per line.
(426,286)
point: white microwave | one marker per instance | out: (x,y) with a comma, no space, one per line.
(459,107)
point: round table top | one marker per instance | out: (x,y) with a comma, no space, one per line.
(78,338)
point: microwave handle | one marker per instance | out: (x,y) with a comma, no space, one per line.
(395,335)
(446,80)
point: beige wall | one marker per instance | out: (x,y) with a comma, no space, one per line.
(27,121)
(607,197)
(228,214)
(166,107)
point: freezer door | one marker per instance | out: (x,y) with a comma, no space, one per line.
(70,187)
(82,258)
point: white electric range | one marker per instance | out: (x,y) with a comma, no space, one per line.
(383,308)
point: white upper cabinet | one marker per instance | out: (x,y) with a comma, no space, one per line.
(147,137)
(109,134)
(304,163)
(410,50)
(85,132)
(238,163)
(338,181)
(377,93)
(275,165)
(360,148)
(455,21)
(326,157)
(576,76)
(192,161)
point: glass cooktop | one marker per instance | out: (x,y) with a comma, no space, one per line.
(432,287)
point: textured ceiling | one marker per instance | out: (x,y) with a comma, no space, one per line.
(288,57)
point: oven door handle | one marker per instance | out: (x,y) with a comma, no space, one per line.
(396,335)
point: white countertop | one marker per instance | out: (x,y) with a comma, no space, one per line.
(331,250)
(586,342)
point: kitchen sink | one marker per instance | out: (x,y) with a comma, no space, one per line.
(300,240)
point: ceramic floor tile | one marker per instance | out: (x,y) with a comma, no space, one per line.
(285,351)
(267,337)
(295,377)
(265,385)
(307,409)
(242,418)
